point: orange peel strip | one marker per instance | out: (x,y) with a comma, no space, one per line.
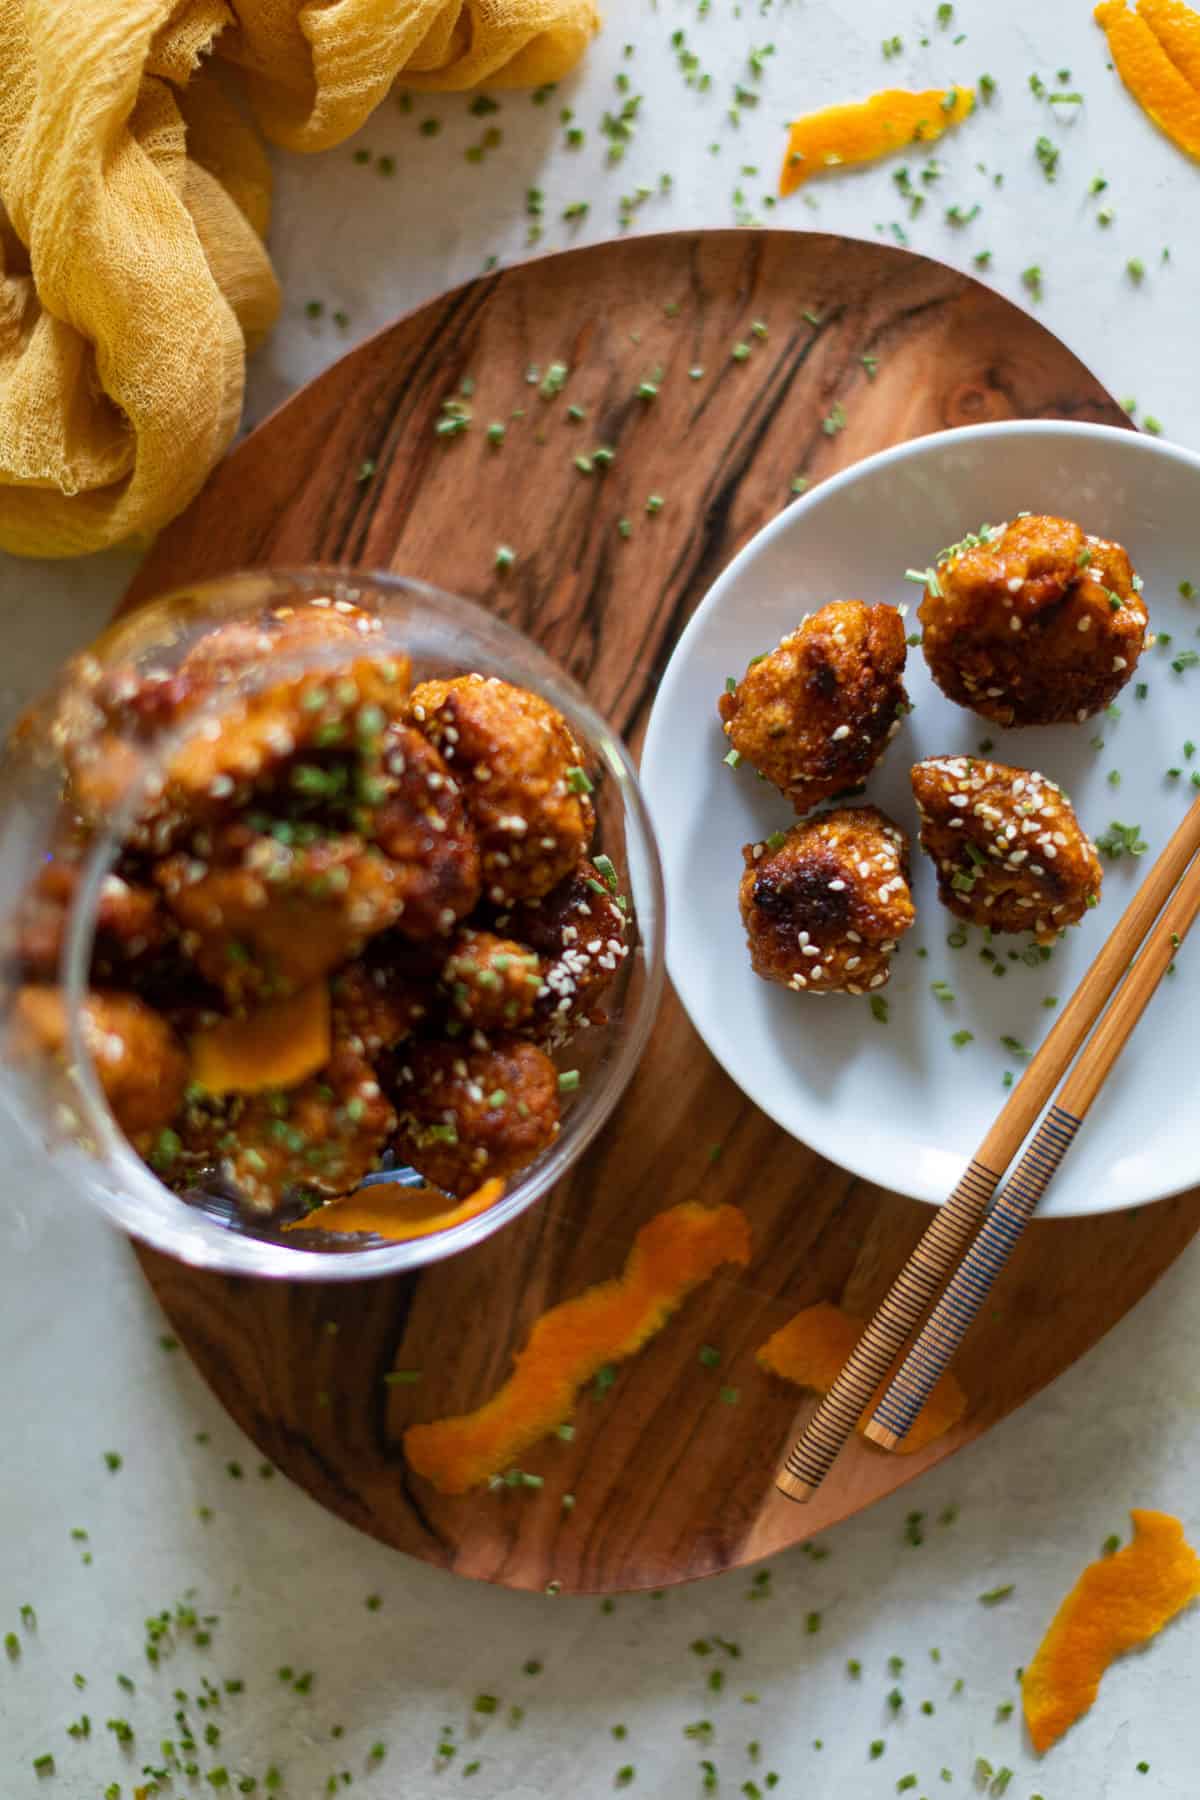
(275,1046)
(1117,1603)
(811,1350)
(1163,93)
(1177,28)
(398,1214)
(671,1255)
(863,131)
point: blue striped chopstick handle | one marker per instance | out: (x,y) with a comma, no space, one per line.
(812,1456)
(946,1326)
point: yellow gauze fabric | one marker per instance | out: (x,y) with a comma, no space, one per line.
(314,72)
(134,199)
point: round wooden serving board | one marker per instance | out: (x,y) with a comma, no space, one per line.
(670,1481)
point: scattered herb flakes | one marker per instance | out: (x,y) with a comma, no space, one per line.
(995,1595)
(1122,840)
(835,420)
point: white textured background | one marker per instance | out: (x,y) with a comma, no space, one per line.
(82,1368)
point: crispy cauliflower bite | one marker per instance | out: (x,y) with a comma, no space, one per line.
(382,998)
(303,895)
(492,982)
(139,1063)
(1034,622)
(825,903)
(130,922)
(1008,849)
(111,718)
(469,1114)
(263,919)
(815,715)
(319,1138)
(581,935)
(522,778)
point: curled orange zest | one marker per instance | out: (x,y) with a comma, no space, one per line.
(396,1213)
(1177,28)
(1117,1603)
(811,1350)
(671,1255)
(1160,89)
(864,131)
(276,1046)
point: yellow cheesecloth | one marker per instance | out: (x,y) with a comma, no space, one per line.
(134,199)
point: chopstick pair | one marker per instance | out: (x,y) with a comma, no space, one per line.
(1172,889)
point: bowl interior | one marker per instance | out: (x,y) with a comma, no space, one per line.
(900,1103)
(443,635)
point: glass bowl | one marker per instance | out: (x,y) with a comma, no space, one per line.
(62,1105)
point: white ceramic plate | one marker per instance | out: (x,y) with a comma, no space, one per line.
(899,1103)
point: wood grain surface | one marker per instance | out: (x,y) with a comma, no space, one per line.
(670,1479)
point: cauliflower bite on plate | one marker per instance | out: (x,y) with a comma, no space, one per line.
(825,903)
(815,714)
(1007,846)
(1033,623)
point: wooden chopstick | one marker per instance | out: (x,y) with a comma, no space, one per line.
(941,1245)
(969,1287)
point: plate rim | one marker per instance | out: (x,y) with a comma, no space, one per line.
(654,754)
